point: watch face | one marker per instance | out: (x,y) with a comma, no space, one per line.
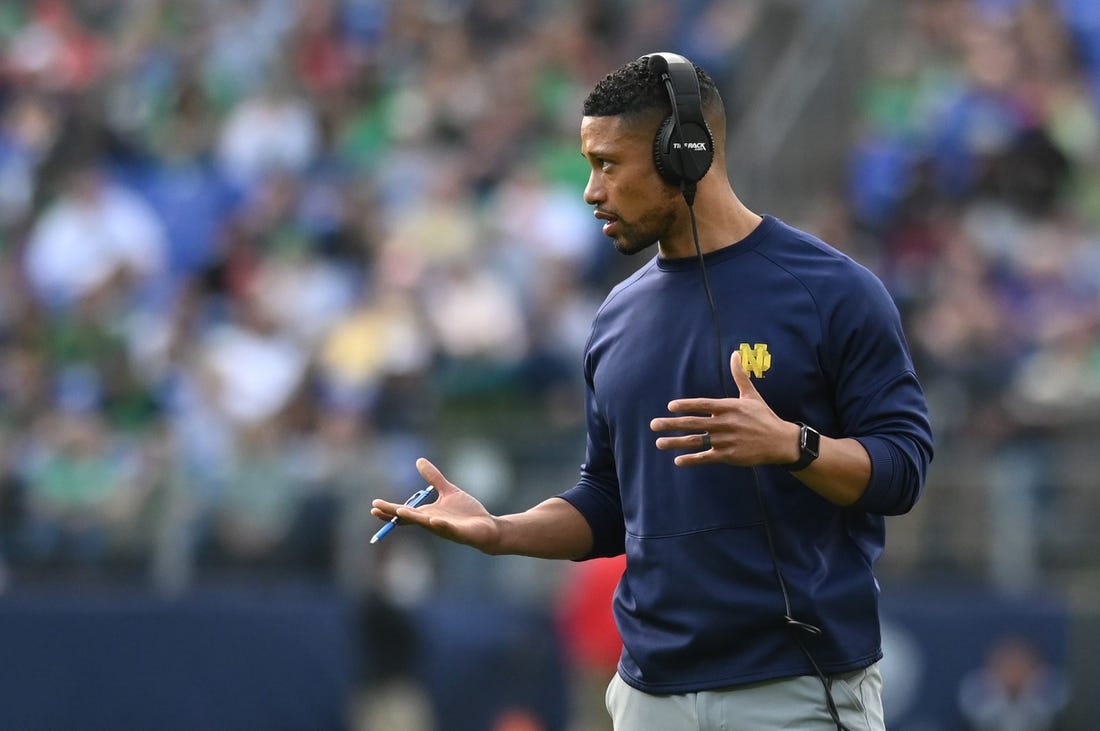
(811,440)
(808,443)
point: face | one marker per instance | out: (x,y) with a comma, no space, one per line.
(638,207)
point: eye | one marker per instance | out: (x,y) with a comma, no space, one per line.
(602,164)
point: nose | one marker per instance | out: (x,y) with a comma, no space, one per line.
(593,191)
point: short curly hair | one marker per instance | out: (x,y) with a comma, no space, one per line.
(634,91)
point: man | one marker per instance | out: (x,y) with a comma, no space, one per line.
(748,600)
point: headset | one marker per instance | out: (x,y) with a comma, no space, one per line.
(683,150)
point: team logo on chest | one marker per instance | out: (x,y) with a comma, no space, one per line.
(755,359)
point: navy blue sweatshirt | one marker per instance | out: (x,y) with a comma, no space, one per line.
(699,605)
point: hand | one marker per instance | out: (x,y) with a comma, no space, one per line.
(455,515)
(743,431)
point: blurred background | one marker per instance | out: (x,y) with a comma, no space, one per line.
(256,256)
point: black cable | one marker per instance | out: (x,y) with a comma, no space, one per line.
(710,303)
(788,615)
(688,189)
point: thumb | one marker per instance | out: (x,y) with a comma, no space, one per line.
(433,476)
(741,377)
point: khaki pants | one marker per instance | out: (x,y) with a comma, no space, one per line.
(789,703)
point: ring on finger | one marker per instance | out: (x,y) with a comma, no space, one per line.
(706,441)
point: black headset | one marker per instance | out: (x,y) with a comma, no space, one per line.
(683,148)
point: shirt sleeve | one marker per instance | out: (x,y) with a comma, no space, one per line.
(878,398)
(899,443)
(596,494)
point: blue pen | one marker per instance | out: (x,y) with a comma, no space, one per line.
(418,499)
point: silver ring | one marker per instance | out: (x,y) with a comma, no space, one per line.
(706,441)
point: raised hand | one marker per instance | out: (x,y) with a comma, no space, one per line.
(740,431)
(455,515)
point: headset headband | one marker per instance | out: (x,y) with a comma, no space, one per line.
(686,98)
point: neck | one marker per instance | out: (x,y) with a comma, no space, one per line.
(722,221)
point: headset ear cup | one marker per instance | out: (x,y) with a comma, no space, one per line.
(667,164)
(696,160)
(690,163)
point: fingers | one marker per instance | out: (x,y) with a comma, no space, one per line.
(741,377)
(429,471)
(434,477)
(695,423)
(701,410)
(694,405)
(386,510)
(383,510)
(680,423)
(691,459)
(727,421)
(413,515)
(697,442)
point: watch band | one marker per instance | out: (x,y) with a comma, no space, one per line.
(809,444)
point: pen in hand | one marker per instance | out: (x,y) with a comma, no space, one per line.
(418,499)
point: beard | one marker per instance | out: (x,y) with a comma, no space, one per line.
(635,237)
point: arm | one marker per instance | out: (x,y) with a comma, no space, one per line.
(841,472)
(551,529)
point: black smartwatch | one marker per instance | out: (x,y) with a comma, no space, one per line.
(809,442)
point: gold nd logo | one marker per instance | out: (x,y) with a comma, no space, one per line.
(756,359)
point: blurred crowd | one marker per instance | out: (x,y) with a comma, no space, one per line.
(974,182)
(977,174)
(254,253)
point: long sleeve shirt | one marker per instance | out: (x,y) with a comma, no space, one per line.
(699,605)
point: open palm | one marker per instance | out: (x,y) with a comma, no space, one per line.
(456,515)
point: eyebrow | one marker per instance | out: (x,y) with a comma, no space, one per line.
(597,152)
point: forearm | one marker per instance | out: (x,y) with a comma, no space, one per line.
(551,529)
(841,472)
